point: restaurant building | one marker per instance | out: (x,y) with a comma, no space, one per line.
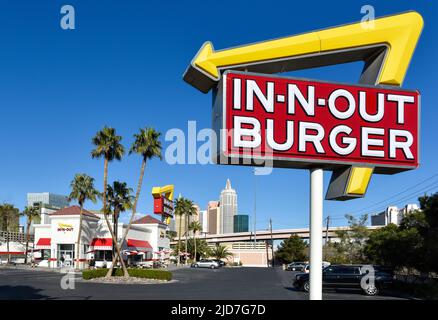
(56,239)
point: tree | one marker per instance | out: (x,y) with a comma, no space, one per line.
(9,215)
(179,211)
(291,249)
(429,231)
(202,248)
(386,244)
(31,213)
(148,146)
(108,147)
(221,252)
(190,211)
(82,189)
(195,226)
(119,200)
(413,244)
(351,242)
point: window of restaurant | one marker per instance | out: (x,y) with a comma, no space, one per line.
(103,255)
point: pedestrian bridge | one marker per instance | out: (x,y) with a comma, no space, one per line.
(263,235)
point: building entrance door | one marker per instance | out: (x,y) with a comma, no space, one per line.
(67,253)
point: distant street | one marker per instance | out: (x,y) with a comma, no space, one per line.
(191,284)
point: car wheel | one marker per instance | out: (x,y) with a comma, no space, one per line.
(306,286)
(212,267)
(196,266)
(371,290)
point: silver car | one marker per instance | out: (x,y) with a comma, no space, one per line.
(205,264)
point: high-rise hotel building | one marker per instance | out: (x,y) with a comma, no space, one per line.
(228,208)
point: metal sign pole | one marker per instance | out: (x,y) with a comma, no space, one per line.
(316,200)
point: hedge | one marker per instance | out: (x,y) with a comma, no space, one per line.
(138,273)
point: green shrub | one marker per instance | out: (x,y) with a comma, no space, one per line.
(138,273)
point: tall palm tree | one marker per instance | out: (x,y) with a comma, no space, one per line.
(190,211)
(148,146)
(179,211)
(119,200)
(9,214)
(108,147)
(195,226)
(82,189)
(31,213)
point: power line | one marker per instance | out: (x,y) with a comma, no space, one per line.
(406,197)
(401,192)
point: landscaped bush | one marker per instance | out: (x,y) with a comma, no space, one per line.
(138,273)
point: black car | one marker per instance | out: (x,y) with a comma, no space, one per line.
(349,276)
(296,266)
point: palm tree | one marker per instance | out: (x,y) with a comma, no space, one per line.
(8,214)
(119,200)
(195,226)
(179,210)
(108,147)
(31,213)
(190,211)
(221,252)
(82,189)
(148,146)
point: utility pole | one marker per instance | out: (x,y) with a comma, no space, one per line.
(272,241)
(327,229)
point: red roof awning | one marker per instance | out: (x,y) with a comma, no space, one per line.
(11,252)
(102,243)
(134,244)
(43,243)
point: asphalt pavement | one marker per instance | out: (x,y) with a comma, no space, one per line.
(190,284)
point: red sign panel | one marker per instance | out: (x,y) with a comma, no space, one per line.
(164,206)
(298,123)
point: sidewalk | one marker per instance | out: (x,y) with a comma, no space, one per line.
(42,269)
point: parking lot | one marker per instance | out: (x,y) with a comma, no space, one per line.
(189,284)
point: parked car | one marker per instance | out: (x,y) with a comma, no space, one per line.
(220,262)
(296,266)
(348,276)
(205,264)
(306,268)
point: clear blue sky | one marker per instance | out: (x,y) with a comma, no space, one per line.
(123,67)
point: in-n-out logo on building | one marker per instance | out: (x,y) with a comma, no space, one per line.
(301,122)
(63,227)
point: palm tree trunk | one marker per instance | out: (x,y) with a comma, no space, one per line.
(7,244)
(27,239)
(179,240)
(187,233)
(119,255)
(105,179)
(194,241)
(78,242)
(134,207)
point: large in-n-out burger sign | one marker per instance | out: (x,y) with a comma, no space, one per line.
(298,123)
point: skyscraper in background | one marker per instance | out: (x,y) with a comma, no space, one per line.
(182,223)
(203,220)
(228,208)
(47,198)
(214,217)
(241,223)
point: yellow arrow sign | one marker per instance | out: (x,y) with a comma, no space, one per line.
(396,34)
